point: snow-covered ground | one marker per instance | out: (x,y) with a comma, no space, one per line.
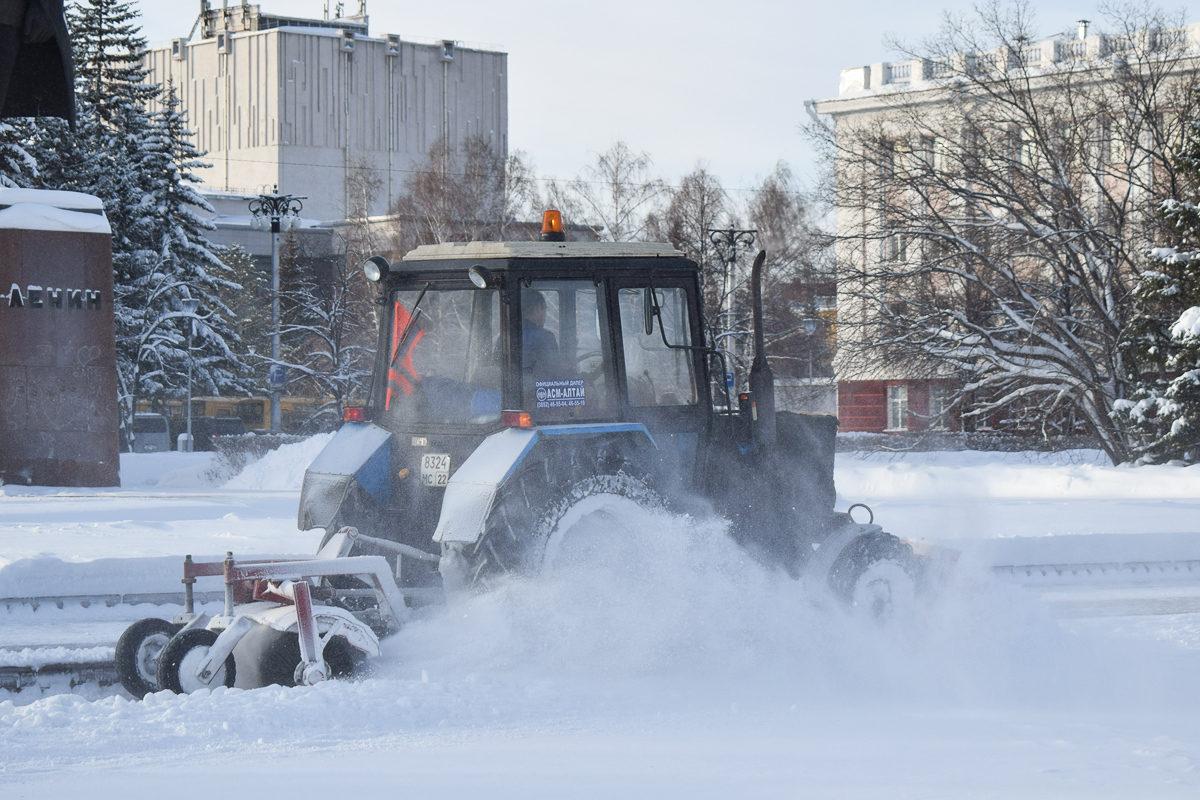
(682,669)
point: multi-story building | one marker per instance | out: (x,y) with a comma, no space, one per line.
(893,120)
(301,104)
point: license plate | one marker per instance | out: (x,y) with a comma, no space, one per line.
(435,469)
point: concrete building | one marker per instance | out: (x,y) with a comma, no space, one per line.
(896,103)
(300,104)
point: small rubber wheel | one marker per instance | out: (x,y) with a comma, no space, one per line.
(137,654)
(181,658)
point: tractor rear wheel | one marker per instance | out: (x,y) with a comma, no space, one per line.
(876,576)
(578,526)
(535,527)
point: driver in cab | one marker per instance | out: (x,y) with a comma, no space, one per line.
(539,348)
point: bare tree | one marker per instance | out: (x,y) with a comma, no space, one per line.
(472,195)
(991,221)
(698,205)
(800,279)
(328,321)
(616,194)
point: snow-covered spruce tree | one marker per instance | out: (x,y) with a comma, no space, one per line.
(184,265)
(1162,341)
(249,300)
(17,167)
(140,164)
(104,157)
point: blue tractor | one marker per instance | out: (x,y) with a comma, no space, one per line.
(516,383)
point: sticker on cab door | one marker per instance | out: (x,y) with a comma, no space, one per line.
(435,469)
(560,394)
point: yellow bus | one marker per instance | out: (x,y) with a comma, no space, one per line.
(255,412)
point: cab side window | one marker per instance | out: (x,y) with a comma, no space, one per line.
(655,374)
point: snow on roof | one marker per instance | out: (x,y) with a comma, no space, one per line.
(72,201)
(449,250)
(47,210)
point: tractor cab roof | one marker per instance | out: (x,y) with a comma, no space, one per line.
(458,251)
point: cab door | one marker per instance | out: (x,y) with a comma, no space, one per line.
(660,366)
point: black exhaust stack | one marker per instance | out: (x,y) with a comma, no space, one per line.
(762,382)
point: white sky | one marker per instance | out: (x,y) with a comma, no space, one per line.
(704,81)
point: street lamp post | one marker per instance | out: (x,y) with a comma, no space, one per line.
(275,207)
(810,326)
(730,242)
(190,306)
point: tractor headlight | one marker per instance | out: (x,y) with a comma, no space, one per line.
(376,268)
(480,276)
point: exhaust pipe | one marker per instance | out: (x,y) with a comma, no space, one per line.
(762,382)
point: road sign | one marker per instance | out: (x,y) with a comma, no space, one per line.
(277,376)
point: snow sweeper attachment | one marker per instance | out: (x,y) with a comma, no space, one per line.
(289,622)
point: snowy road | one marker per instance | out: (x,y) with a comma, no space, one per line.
(686,670)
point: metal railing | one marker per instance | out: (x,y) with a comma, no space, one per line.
(1073,51)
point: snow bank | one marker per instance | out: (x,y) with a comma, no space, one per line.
(173,470)
(668,663)
(1074,475)
(39,657)
(281,469)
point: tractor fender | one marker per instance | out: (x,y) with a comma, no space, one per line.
(352,469)
(283,619)
(472,490)
(826,553)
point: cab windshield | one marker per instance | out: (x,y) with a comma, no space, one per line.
(444,364)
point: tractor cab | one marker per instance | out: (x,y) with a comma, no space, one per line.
(540,333)
(593,347)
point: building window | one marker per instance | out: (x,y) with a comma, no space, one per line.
(940,398)
(897,408)
(893,248)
